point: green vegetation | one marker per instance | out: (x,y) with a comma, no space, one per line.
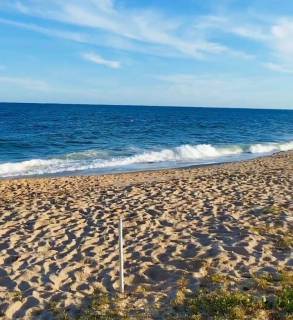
(257,303)
(272,210)
(282,237)
(16,296)
(285,242)
(218,278)
(104,307)
(58,312)
(286,278)
(263,281)
(222,304)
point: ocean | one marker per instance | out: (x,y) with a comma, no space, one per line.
(56,139)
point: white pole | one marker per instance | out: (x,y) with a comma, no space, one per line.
(121,255)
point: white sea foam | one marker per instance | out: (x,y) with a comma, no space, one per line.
(95,160)
(271,147)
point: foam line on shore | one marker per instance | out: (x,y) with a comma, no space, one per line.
(95,160)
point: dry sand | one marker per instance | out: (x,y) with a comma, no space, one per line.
(58,236)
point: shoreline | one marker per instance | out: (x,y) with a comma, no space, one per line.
(187,167)
(59,236)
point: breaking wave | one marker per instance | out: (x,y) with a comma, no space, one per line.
(101,160)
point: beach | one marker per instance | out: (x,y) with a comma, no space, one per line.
(59,236)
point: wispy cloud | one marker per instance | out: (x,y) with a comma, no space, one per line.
(234,24)
(278,67)
(273,34)
(221,90)
(74,36)
(25,83)
(138,29)
(105,23)
(137,26)
(132,28)
(97,59)
(282,35)
(281,46)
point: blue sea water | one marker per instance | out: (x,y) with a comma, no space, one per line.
(53,139)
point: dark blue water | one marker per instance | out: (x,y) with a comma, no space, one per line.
(75,139)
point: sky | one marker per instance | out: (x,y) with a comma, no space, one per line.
(208,53)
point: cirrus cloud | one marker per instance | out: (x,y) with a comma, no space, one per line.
(97,59)
(139,26)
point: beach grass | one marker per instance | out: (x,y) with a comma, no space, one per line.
(206,303)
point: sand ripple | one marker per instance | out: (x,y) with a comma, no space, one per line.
(58,237)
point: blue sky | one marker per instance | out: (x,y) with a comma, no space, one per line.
(156,52)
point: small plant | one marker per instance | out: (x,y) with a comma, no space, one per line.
(182,283)
(263,281)
(272,210)
(221,303)
(285,300)
(218,278)
(58,312)
(285,242)
(17,296)
(238,313)
(141,289)
(256,303)
(103,307)
(286,278)
(258,230)
(181,293)
(180,298)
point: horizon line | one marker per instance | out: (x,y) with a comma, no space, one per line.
(147,105)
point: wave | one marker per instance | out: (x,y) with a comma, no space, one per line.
(95,159)
(271,147)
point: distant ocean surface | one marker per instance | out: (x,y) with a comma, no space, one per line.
(52,139)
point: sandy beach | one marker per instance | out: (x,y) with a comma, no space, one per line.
(58,236)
